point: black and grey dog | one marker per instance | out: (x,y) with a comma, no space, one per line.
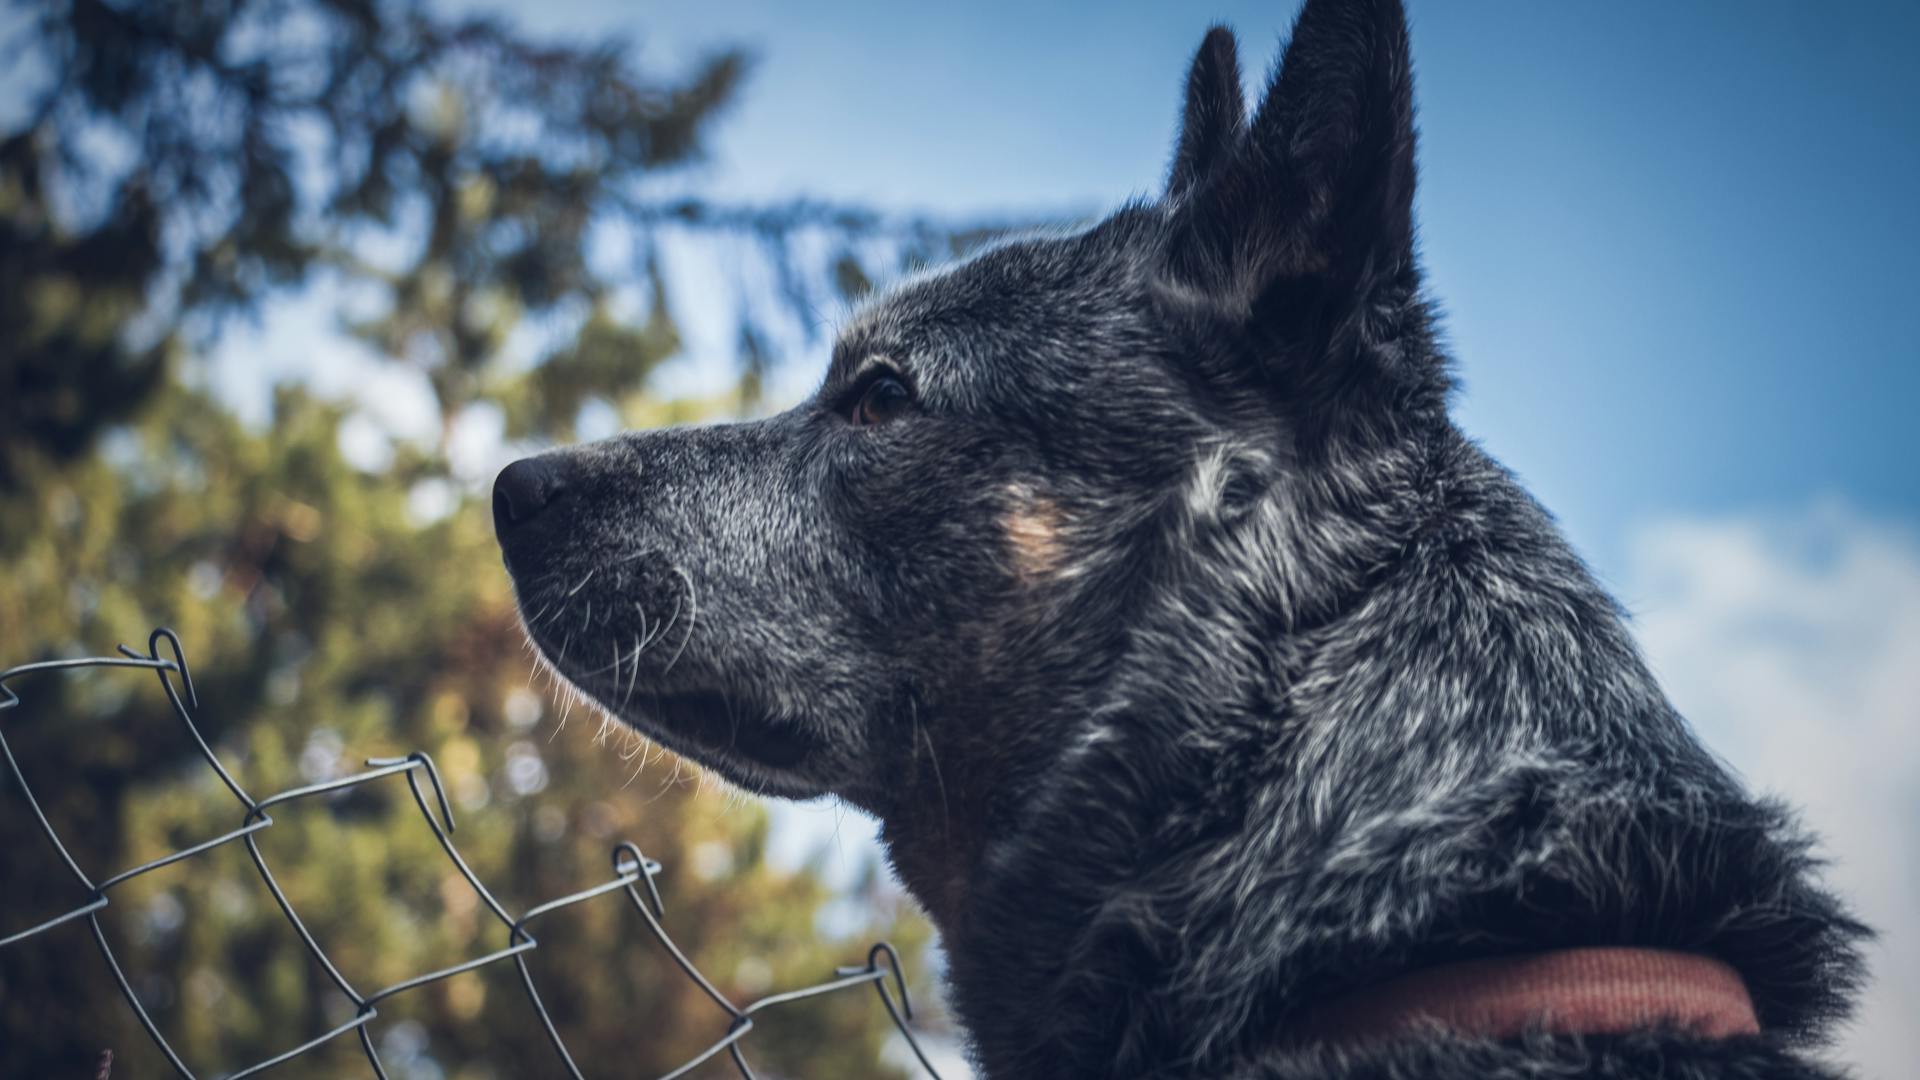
(1230,712)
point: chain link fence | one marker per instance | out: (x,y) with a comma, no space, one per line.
(632,877)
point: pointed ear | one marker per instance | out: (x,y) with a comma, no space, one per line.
(1215,113)
(1316,205)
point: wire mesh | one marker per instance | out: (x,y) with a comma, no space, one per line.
(633,876)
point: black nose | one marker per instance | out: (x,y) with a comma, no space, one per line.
(523,489)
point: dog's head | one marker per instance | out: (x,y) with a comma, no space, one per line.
(1195,665)
(940,557)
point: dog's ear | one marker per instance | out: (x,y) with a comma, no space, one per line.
(1215,114)
(1311,219)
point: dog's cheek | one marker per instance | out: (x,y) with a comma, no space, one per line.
(1034,534)
(1055,549)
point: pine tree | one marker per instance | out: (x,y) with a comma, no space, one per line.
(177,166)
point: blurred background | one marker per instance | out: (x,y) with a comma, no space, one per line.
(283,282)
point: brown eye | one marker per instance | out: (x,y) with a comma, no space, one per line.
(884,399)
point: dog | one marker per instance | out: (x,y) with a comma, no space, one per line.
(1229,712)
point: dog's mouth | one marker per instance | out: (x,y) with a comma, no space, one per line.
(668,691)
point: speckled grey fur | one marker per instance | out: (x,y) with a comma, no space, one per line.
(1196,665)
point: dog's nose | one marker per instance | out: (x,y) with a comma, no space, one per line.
(523,489)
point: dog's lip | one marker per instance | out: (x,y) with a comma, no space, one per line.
(728,725)
(712,725)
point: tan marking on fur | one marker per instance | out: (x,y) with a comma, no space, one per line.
(1033,526)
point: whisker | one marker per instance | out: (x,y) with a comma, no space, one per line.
(693,615)
(946,819)
(639,646)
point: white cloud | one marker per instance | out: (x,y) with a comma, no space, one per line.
(1793,645)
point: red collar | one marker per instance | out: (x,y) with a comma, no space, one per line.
(1564,992)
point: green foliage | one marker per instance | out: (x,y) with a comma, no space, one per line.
(177,165)
(249,142)
(329,623)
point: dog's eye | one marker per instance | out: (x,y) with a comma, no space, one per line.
(884,399)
